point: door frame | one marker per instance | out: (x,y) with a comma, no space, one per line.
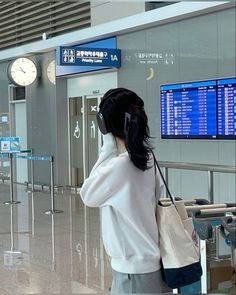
(69,136)
(85,135)
(12,122)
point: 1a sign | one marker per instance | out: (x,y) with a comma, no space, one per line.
(81,56)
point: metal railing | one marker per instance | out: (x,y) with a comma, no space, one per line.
(210,169)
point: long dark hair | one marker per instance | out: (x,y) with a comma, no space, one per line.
(115,106)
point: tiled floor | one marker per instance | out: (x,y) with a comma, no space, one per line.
(55,254)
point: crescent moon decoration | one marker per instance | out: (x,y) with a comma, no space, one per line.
(151,74)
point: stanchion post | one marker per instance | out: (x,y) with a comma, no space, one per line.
(53,245)
(11,177)
(52,185)
(11,202)
(12,230)
(12,256)
(211,187)
(52,210)
(32,170)
(32,189)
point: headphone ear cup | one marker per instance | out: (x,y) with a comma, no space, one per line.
(101,123)
(127,123)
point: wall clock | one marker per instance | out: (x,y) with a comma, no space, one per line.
(22,71)
(51,72)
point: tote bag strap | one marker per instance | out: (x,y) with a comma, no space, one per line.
(163,178)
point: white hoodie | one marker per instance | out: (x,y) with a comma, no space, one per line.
(126,196)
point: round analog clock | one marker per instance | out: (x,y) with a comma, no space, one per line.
(22,71)
(51,72)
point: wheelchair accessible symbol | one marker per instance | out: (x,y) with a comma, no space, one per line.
(77,130)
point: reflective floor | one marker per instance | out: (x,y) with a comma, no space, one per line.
(50,254)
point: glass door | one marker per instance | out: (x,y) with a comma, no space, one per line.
(85,138)
(92,132)
(76,141)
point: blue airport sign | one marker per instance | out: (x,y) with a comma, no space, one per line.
(71,69)
(9,144)
(85,56)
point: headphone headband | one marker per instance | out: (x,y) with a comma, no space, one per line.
(100,118)
(102,124)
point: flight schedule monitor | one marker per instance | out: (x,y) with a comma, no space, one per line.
(200,109)
(226,97)
(188,110)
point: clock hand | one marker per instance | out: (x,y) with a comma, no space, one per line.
(22,70)
(19,70)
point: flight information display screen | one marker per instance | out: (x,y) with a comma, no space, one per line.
(189,110)
(226,97)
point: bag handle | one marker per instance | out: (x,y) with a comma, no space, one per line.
(163,179)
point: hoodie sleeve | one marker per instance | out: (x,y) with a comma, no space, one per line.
(96,190)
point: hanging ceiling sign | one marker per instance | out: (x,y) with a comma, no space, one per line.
(72,68)
(85,56)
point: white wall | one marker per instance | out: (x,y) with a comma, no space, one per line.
(91,84)
(203,48)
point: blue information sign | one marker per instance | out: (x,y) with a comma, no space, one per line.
(9,144)
(188,110)
(227,108)
(71,68)
(85,56)
(200,109)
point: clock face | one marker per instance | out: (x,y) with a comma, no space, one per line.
(51,72)
(22,71)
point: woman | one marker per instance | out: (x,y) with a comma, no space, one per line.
(123,183)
